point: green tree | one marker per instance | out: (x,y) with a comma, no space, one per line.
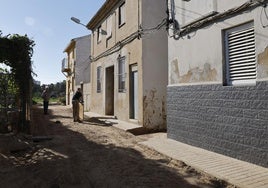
(16,51)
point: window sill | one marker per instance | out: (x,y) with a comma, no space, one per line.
(121,25)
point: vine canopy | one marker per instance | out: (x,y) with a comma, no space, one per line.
(16,51)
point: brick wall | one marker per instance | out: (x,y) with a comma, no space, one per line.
(229,120)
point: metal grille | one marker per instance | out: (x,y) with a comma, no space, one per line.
(241,64)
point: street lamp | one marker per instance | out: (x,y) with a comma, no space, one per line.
(76,20)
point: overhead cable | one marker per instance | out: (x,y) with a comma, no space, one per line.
(247,6)
(136,35)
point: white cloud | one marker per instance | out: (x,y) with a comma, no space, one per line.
(30,21)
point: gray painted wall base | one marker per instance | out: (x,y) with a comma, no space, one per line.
(229,120)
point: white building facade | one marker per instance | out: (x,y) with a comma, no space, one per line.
(129,61)
(77,69)
(217,96)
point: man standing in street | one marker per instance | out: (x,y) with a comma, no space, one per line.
(45,96)
(77,98)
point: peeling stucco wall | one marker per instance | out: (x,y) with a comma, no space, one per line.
(199,114)
(154,109)
(263,64)
(174,72)
(197,74)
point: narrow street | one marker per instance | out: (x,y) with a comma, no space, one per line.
(62,153)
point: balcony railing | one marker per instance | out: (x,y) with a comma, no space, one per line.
(65,66)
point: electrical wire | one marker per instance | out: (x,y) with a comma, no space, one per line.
(136,35)
(118,46)
(172,24)
(247,6)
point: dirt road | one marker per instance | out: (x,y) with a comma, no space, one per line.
(62,153)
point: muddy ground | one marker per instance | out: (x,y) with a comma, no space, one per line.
(61,153)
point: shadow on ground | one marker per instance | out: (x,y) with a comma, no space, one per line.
(72,159)
(100,121)
(143,130)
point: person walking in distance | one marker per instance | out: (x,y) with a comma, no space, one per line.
(75,102)
(45,96)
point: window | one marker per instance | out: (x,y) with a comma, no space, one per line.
(99,79)
(109,23)
(122,15)
(121,74)
(99,34)
(240,55)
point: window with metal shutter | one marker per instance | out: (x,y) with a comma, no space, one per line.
(240,55)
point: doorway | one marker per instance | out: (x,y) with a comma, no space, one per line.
(109,91)
(134,110)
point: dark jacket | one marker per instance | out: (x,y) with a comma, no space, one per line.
(77,96)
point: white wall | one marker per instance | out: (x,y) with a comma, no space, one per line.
(82,66)
(198,57)
(154,64)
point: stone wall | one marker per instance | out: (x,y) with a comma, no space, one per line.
(229,120)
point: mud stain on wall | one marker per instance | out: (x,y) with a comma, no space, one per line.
(154,110)
(174,73)
(193,75)
(263,64)
(200,75)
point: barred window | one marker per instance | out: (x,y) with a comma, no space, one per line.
(121,74)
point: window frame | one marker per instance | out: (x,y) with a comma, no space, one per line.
(99,35)
(122,74)
(122,14)
(109,27)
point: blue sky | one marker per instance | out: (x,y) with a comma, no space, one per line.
(48,23)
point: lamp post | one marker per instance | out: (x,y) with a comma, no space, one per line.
(76,20)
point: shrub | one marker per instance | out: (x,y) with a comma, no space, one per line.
(62,100)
